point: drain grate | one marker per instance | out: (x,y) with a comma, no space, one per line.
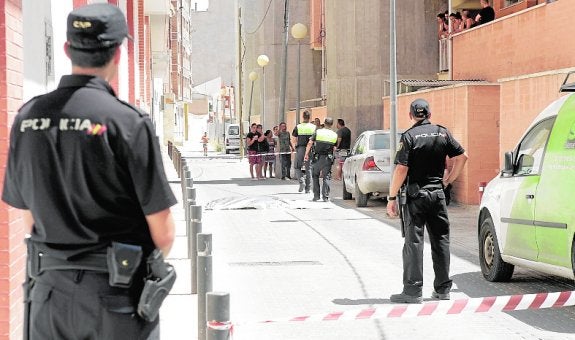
(275,263)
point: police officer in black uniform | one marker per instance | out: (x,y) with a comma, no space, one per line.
(86,170)
(302,132)
(420,161)
(323,141)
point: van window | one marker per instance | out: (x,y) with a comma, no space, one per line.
(531,149)
(233,130)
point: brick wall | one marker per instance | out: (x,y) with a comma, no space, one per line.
(522,99)
(471,113)
(130,12)
(316,112)
(535,40)
(12,249)
(147,62)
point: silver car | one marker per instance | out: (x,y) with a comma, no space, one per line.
(366,169)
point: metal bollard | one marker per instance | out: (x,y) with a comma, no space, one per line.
(191,194)
(194,229)
(218,316)
(187,182)
(177,162)
(183,168)
(204,278)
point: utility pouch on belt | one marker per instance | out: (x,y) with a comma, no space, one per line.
(402,204)
(161,278)
(123,261)
(412,190)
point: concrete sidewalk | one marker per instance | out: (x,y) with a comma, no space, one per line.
(292,257)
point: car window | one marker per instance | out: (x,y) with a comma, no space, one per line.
(357,145)
(381,141)
(531,149)
(234,130)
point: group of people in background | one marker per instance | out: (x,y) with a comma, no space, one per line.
(463,20)
(314,143)
(261,151)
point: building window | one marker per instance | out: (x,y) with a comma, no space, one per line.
(511,2)
(200,5)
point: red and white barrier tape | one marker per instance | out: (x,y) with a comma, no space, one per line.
(492,304)
(220,325)
(270,153)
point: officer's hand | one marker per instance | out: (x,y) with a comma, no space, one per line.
(392,210)
(305,158)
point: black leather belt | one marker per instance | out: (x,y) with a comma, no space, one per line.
(432,187)
(92,262)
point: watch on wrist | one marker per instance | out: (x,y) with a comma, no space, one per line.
(391,198)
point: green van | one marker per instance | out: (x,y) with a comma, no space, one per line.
(527,215)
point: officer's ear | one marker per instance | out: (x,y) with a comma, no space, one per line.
(66,46)
(117,55)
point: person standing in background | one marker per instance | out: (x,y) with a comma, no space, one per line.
(342,147)
(302,132)
(285,149)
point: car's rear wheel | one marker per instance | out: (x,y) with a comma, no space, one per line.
(493,267)
(360,197)
(346,194)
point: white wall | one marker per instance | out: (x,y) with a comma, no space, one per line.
(40,22)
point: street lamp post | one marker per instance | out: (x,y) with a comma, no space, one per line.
(298,31)
(223,92)
(253,77)
(262,60)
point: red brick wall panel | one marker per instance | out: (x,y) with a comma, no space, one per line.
(531,41)
(141,54)
(471,113)
(12,231)
(131,50)
(521,101)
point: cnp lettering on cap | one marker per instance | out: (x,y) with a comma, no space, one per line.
(96,26)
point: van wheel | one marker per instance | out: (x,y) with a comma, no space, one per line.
(360,197)
(493,267)
(346,195)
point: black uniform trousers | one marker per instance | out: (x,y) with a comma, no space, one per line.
(427,209)
(322,163)
(81,305)
(285,160)
(302,176)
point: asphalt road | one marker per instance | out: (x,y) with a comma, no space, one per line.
(280,256)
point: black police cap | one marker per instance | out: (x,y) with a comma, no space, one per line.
(419,108)
(96,26)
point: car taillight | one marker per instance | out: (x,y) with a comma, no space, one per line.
(369,165)
(227,141)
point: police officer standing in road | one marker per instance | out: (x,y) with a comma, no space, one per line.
(85,169)
(420,161)
(323,140)
(302,132)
